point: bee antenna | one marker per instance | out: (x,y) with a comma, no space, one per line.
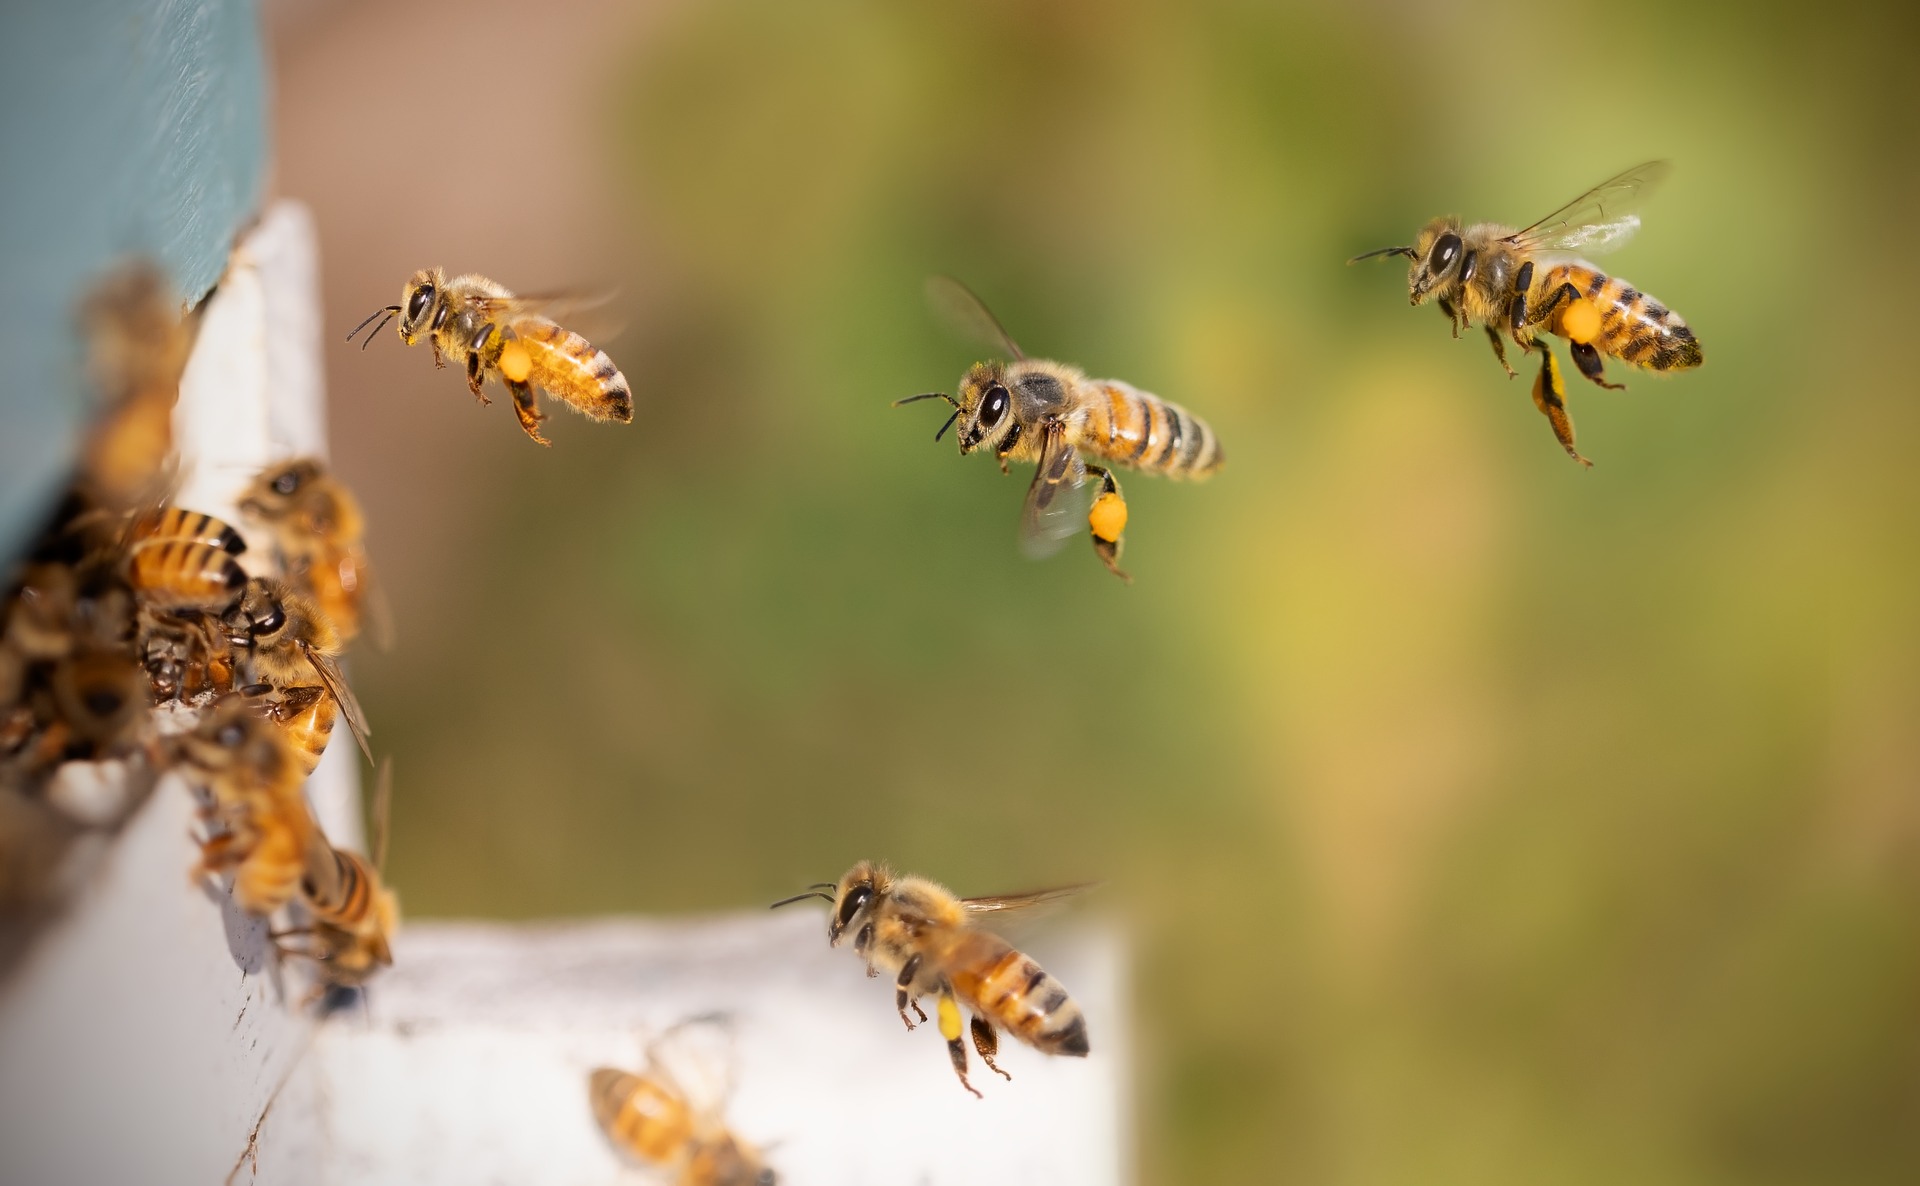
(1406,251)
(388,314)
(801,898)
(929,395)
(947,425)
(826,885)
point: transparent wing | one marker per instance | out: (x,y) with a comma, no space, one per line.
(1057,501)
(695,1057)
(967,315)
(329,673)
(1009,903)
(382,810)
(591,314)
(1599,220)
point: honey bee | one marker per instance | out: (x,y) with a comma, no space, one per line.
(1029,409)
(1533,281)
(138,342)
(177,523)
(354,914)
(265,833)
(184,574)
(924,936)
(514,339)
(650,1116)
(286,644)
(318,530)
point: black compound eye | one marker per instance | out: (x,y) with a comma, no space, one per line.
(286,483)
(1445,251)
(994,407)
(765,1178)
(418,302)
(275,619)
(851,904)
(230,735)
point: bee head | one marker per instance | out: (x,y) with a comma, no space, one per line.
(232,736)
(1437,254)
(728,1162)
(274,492)
(269,613)
(417,300)
(984,411)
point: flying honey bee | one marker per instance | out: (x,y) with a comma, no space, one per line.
(285,643)
(652,1117)
(1533,281)
(318,530)
(924,936)
(1030,409)
(265,832)
(511,338)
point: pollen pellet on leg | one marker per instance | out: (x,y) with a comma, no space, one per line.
(1108,516)
(515,363)
(1580,321)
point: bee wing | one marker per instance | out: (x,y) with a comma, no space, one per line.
(695,1057)
(375,604)
(1599,220)
(590,314)
(1008,903)
(1057,501)
(336,684)
(967,315)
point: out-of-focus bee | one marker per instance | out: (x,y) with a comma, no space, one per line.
(172,523)
(185,574)
(354,914)
(285,643)
(1030,409)
(265,832)
(511,338)
(138,341)
(1533,281)
(318,530)
(924,936)
(652,1117)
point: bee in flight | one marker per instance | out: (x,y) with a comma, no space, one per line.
(1528,282)
(924,936)
(654,1117)
(511,338)
(1030,409)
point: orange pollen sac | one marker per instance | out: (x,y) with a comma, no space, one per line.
(1108,517)
(516,364)
(1580,321)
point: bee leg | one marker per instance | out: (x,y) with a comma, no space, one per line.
(1588,360)
(1500,351)
(527,408)
(949,1011)
(901,999)
(1107,521)
(1550,396)
(1453,315)
(474,376)
(987,1042)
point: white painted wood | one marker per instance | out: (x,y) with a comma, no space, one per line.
(143,1037)
(470,1062)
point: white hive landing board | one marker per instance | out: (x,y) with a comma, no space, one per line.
(144,1036)
(470,1063)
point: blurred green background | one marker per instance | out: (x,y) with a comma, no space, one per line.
(1476,818)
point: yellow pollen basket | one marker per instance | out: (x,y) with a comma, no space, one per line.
(949,1018)
(1108,517)
(1580,321)
(515,363)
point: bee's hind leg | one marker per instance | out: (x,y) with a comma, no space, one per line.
(527,406)
(1588,360)
(1550,396)
(474,377)
(987,1043)
(1500,350)
(949,1012)
(1107,521)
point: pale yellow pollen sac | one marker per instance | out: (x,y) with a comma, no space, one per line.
(515,363)
(1108,517)
(949,1014)
(1580,321)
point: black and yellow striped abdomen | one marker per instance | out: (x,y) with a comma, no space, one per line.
(1632,326)
(1000,983)
(185,574)
(640,1114)
(177,523)
(1130,427)
(571,369)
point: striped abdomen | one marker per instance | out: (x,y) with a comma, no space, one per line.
(185,574)
(1634,327)
(306,714)
(1127,426)
(640,1114)
(572,369)
(1016,994)
(176,523)
(340,887)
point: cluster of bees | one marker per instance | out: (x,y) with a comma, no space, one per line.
(133,642)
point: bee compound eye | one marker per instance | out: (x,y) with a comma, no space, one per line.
(994,407)
(275,619)
(855,899)
(1445,251)
(765,1178)
(418,302)
(286,483)
(230,735)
